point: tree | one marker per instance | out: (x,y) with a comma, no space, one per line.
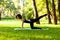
(49,19)
(0,13)
(35,10)
(59,8)
(54,12)
(9,6)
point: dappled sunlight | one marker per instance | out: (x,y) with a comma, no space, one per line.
(7,37)
(2,38)
(10,23)
(18,23)
(11,34)
(47,25)
(44,36)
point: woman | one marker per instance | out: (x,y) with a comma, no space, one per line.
(31,21)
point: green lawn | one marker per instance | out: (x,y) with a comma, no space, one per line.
(7,31)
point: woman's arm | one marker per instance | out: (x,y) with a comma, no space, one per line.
(22,23)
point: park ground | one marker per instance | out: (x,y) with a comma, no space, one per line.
(8,32)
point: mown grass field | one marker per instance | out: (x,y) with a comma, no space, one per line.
(7,32)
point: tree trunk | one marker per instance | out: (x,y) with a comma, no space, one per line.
(0,16)
(0,13)
(35,10)
(49,19)
(54,12)
(59,8)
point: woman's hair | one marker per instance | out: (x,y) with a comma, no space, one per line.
(18,16)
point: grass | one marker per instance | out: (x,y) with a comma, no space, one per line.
(7,31)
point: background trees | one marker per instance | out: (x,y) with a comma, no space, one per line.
(10,7)
(59,8)
(47,6)
(35,11)
(54,12)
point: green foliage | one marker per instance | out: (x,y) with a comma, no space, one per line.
(28,7)
(30,15)
(8,4)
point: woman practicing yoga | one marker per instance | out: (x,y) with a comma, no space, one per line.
(31,21)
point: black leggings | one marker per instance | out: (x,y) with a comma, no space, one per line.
(32,27)
(31,21)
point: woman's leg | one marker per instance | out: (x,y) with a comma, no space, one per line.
(36,28)
(32,26)
(34,20)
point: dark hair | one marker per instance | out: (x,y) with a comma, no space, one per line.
(19,16)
